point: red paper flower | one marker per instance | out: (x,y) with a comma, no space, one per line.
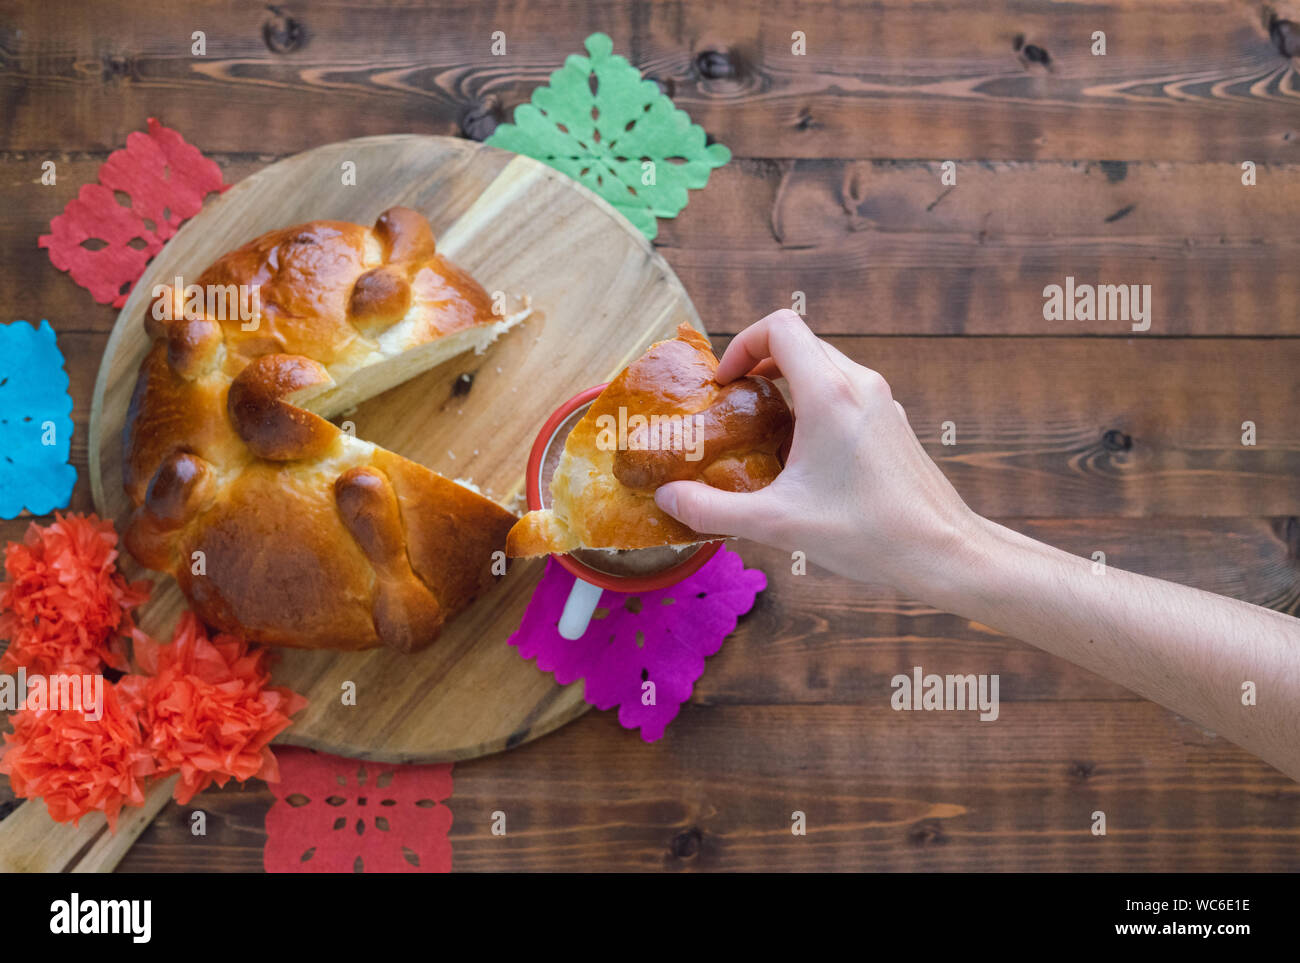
(207,710)
(334,815)
(64,607)
(78,765)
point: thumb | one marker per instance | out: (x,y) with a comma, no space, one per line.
(710,510)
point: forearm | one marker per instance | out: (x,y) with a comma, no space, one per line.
(1188,650)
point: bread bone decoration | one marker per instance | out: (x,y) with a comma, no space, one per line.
(309,536)
(662,419)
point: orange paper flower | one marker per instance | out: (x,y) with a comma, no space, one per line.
(207,709)
(64,607)
(78,765)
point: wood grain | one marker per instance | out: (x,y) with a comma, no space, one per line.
(31,842)
(817,642)
(882,791)
(882,248)
(1198,80)
(1147,426)
(1033,417)
(834,192)
(818,638)
(501,217)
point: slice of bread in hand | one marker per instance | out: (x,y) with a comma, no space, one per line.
(664,418)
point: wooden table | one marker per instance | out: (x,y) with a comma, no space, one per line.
(1123,168)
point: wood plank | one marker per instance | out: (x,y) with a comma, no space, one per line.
(1136,427)
(819,638)
(31,842)
(884,248)
(1196,80)
(1033,418)
(882,790)
(881,247)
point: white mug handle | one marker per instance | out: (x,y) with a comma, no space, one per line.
(578,609)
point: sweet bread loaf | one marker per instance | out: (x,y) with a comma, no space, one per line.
(278,525)
(664,418)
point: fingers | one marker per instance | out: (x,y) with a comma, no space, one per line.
(711,510)
(782,345)
(788,342)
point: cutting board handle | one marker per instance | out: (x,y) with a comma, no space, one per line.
(31,842)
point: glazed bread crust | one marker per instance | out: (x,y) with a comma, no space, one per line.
(278,525)
(602,494)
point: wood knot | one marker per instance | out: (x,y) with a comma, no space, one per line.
(116,67)
(460,387)
(687,844)
(1115,171)
(1079,771)
(282,33)
(928,832)
(1037,55)
(1285,35)
(1116,440)
(716,65)
(480,119)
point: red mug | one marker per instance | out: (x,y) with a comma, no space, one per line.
(591,582)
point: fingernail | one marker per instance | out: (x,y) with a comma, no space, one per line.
(666,499)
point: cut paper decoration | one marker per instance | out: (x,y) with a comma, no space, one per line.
(75,763)
(334,815)
(207,707)
(652,644)
(600,123)
(64,606)
(35,422)
(105,244)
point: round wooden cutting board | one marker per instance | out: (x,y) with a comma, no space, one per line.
(600,296)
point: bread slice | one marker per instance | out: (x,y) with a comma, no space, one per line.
(664,418)
(278,525)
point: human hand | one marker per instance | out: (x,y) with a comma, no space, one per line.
(858,493)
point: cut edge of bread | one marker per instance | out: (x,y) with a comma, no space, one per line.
(389,366)
(544,532)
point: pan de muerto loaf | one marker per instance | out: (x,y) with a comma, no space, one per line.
(662,419)
(278,525)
